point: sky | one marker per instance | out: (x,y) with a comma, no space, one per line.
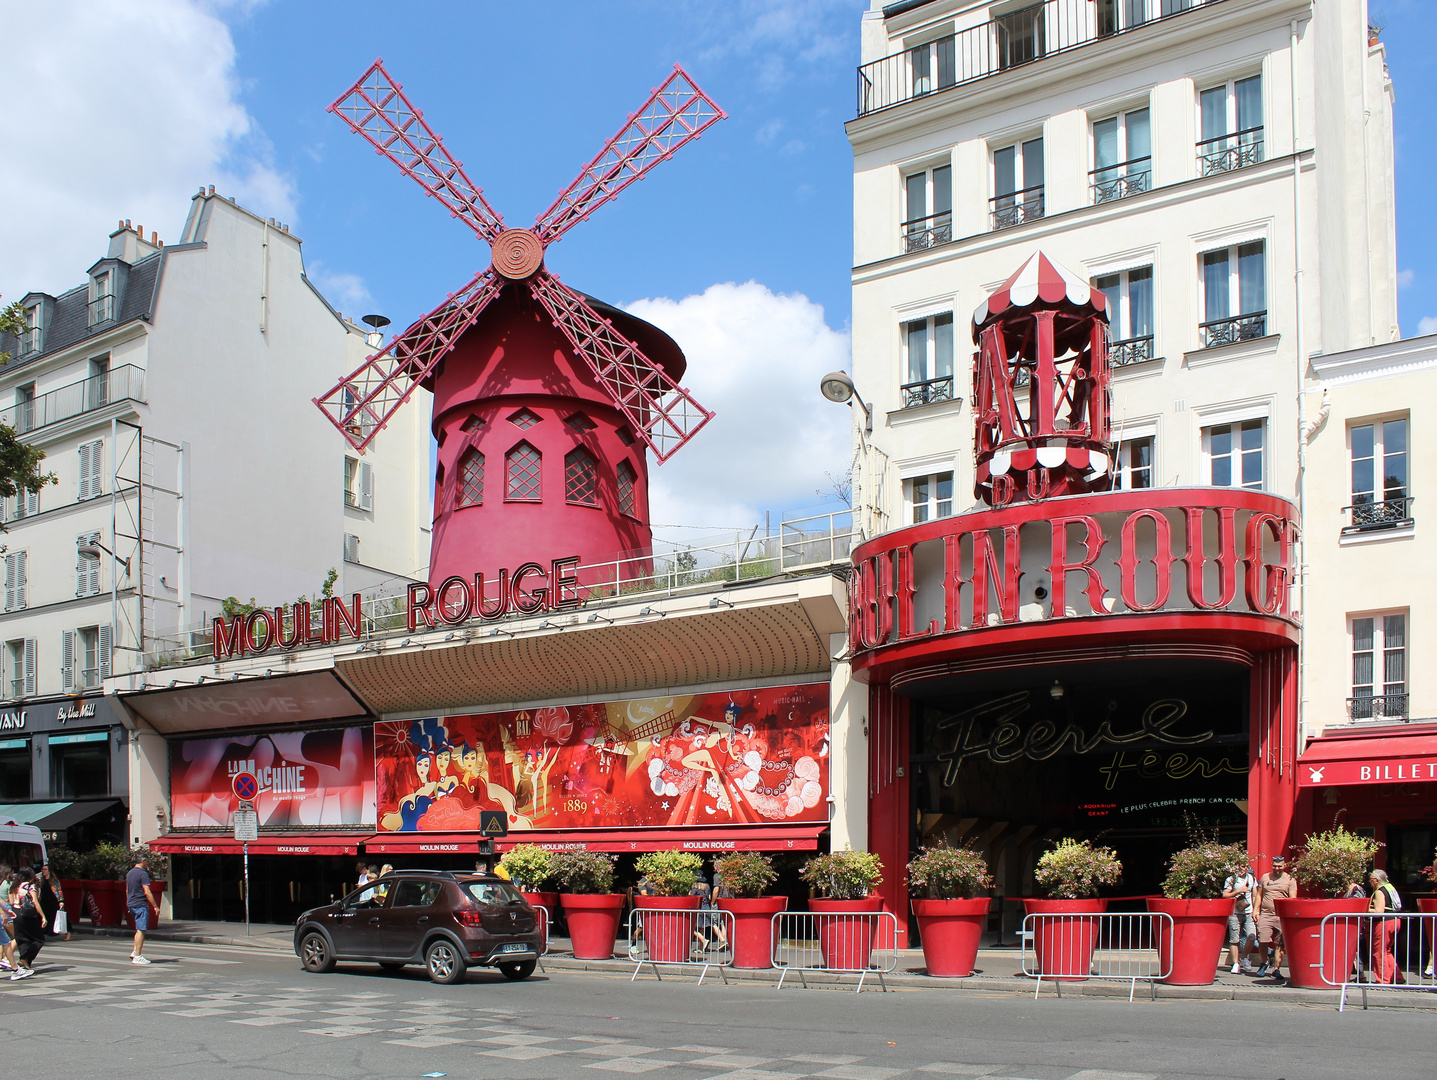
(740,246)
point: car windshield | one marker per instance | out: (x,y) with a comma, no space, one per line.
(495,892)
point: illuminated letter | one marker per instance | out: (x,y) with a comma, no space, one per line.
(250,622)
(906,589)
(565,585)
(1162,560)
(1226,558)
(538,598)
(1059,567)
(419,600)
(229,637)
(452,614)
(1266,583)
(299,623)
(1002,574)
(501,606)
(347,619)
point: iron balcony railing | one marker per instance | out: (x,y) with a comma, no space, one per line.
(1008,41)
(1237,328)
(1227,153)
(1377,707)
(102,309)
(1016,207)
(1113,182)
(1135,350)
(1374,516)
(927,232)
(117,384)
(926,393)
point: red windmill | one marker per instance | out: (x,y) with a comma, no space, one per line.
(543,397)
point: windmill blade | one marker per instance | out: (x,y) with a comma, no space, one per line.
(674,113)
(362,403)
(661,411)
(376,108)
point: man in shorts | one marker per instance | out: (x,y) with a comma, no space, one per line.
(1277,884)
(1241,930)
(139,899)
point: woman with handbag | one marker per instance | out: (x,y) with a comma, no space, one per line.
(29,922)
(52,904)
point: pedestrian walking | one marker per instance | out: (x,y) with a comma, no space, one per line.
(139,899)
(1355,891)
(1241,929)
(7,923)
(1277,884)
(1384,901)
(29,923)
(52,903)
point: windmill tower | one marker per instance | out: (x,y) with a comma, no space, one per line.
(544,398)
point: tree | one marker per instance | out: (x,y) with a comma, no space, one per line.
(19,461)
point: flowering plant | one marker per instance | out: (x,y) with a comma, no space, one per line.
(1333,860)
(1075,869)
(843,875)
(528,866)
(945,873)
(670,873)
(1199,871)
(745,873)
(584,872)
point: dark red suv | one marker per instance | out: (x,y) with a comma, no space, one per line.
(447,922)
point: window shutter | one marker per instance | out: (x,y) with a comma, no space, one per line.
(10,582)
(366,486)
(19,558)
(84,470)
(87,569)
(91,461)
(28,673)
(104,636)
(32,503)
(67,662)
(351,548)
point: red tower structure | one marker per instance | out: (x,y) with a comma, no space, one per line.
(544,398)
(1041,387)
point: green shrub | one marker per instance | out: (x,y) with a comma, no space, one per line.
(745,873)
(64,862)
(529,867)
(1332,860)
(583,872)
(843,875)
(1074,870)
(670,873)
(947,873)
(1198,871)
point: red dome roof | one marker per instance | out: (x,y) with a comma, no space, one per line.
(1040,283)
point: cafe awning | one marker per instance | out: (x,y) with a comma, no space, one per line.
(177,843)
(740,838)
(423,843)
(1369,759)
(54,816)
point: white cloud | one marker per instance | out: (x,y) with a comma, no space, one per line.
(1405,278)
(755,359)
(118,109)
(345,292)
(1428,325)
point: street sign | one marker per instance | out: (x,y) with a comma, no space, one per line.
(493,823)
(246,825)
(245,786)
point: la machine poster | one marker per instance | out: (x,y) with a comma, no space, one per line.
(732,758)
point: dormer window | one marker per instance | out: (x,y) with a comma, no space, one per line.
(30,339)
(102,297)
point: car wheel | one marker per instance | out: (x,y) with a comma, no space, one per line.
(392,965)
(520,969)
(314,953)
(443,962)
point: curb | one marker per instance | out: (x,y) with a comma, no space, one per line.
(193,939)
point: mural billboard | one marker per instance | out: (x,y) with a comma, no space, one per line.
(757,756)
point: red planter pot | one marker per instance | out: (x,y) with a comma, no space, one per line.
(951,931)
(1191,949)
(593,923)
(668,932)
(1311,953)
(846,943)
(1064,947)
(156,887)
(105,902)
(74,890)
(550,901)
(753,928)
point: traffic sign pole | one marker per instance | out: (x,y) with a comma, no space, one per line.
(246,888)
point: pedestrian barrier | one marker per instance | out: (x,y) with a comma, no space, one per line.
(1378,951)
(836,944)
(1078,947)
(541,915)
(680,937)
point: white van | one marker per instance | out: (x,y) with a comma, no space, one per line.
(21,845)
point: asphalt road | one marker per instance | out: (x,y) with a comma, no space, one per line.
(208,1011)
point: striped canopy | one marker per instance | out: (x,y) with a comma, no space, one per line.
(1040,283)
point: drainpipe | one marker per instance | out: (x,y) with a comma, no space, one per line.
(1301,400)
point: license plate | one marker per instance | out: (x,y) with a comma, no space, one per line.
(515,948)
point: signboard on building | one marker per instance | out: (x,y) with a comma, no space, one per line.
(746,757)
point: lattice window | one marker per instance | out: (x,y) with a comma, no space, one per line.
(627,478)
(580,422)
(522,474)
(626,437)
(471,478)
(581,478)
(474,423)
(523,419)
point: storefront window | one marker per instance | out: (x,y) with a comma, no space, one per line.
(80,765)
(14,769)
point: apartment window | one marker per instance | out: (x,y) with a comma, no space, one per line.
(1020,36)
(1130,314)
(85,658)
(931,497)
(351,548)
(1118,15)
(24,408)
(15,583)
(928,196)
(581,478)
(30,340)
(102,297)
(80,765)
(928,360)
(20,668)
(24,504)
(1234,454)
(358,420)
(358,484)
(1379,476)
(933,65)
(87,567)
(521,474)
(1234,286)
(1379,667)
(1017,184)
(15,769)
(92,461)
(628,481)
(471,478)
(1231,119)
(1133,468)
(1122,156)
(97,386)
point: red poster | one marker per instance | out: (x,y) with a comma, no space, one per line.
(745,757)
(306,778)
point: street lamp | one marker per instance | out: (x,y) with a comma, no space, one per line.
(96,549)
(838,388)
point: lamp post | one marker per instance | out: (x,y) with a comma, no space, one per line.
(838,388)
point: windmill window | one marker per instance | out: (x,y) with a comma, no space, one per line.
(471,478)
(627,480)
(521,474)
(523,419)
(474,423)
(626,437)
(581,478)
(580,422)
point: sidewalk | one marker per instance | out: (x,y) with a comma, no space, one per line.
(999,970)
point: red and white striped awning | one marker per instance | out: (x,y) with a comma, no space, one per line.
(1039,282)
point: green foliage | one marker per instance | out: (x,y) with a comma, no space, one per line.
(64,862)
(1198,871)
(1333,860)
(745,873)
(1074,870)
(670,873)
(528,866)
(946,873)
(327,589)
(588,873)
(843,875)
(231,606)
(12,321)
(108,861)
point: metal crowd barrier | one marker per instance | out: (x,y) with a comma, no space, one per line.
(835,944)
(542,914)
(1384,948)
(681,937)
(1077,947)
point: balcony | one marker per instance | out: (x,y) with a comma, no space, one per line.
(927,232)
(1011,40)
(1377,707)
(1377,516)
(926,393)
(1125,353)
(118,384)
(1016,207)
(1121,181)
(1228,153)
(1230,331)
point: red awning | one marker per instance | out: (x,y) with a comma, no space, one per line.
(267,844)
(1391,759)
(423,843)
(738,838)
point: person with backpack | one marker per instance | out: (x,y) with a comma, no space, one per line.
(1385,900)
(29,922)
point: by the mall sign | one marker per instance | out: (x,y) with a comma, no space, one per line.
(1112,554)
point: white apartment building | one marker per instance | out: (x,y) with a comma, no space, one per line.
(171,391)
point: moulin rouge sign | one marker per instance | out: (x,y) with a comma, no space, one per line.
(1233,551)
(528,590)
